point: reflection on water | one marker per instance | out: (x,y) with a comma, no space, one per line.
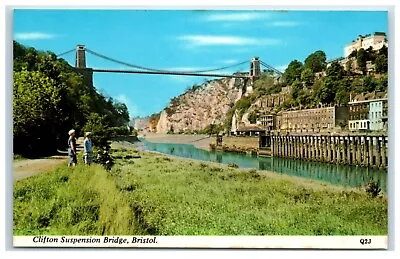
(338,174)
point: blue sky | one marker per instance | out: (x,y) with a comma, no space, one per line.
(187,40)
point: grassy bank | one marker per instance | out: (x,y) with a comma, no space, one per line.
(71,201)
(160,195)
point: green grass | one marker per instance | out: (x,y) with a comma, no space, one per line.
(160,195)
(177,197)
(71,201)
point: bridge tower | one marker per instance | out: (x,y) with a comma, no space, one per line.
(254,74)
(80,61)
(80,65)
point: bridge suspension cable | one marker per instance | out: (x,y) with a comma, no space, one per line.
(270,68)
(160,70)
(144,70)
(65,53)
(164,73)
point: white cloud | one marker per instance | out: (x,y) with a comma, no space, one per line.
(237,16)
(34,36)
(283,24)
(230,61)
(132,108)
(207,40)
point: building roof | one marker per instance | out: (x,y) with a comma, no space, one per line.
(250,127)
(368,97)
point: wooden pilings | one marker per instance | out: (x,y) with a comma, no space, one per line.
(361,150)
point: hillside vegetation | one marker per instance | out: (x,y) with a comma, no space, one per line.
(313,83)
(50,98)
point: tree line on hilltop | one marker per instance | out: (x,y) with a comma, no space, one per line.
(50,98)
(337,83)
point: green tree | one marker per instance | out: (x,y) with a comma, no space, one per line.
(316,61)
(50,98)
(36,106)
(342,95)
(252,117)
(327,90)
(371,54)
(335,71)
(243,104)
(293,71)
(349,66)
(383,51)
(97,125)
(362,57)
(369,84)
(353,54)
(357,85)
(381,64)
(296,87)
(382,84)
(307,76)
(304,98)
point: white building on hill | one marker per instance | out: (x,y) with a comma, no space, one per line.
(376,41)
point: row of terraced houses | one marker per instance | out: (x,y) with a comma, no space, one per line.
(363,113)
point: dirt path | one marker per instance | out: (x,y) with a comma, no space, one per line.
(26,168)
(29,167)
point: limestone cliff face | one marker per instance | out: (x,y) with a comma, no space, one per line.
(141,123)
(162,125)
(199,107)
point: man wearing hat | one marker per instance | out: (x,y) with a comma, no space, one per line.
(88,149)
(72,148)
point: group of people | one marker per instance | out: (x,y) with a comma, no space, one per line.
(87,148)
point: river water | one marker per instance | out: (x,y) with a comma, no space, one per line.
(345,175)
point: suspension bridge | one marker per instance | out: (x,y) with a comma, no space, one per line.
(254,72)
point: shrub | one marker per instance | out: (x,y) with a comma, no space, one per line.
(101,140)
(373,188)
(104,158)
(233,165)
(203,165)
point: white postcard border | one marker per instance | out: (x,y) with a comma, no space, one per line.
(277,242)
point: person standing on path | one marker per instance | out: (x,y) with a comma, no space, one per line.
(88,149)
(72,148)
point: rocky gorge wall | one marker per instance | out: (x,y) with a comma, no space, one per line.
(197,109)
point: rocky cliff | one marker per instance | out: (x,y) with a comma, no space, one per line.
(141,123)
(200,106)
